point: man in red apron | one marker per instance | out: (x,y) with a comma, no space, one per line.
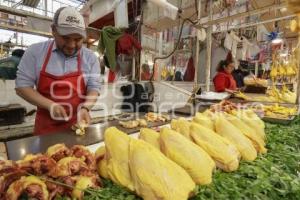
(65,74)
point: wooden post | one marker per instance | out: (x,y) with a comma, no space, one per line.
(298,59)
(208,48)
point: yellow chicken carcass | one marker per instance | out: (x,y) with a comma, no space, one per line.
(101,162)
(252,114)
(174,124)
(274,72)
(182,126)
(290,70)
(204,120)
(252,120)
(150,136)
(281,70)
(117,152)
(209,114)
(234,135)
(276,94)
(249,132)
(282,110)
(224,153)
(198,164)
(293,97)
(156,177)
(288,96)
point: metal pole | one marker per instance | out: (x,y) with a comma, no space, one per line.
(256,69)
(133,67)
(197,47)
(208,48)
(160,53)
(141,57)
(46,7)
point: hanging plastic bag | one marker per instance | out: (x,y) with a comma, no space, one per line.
(228,42)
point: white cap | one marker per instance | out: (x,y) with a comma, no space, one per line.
(68,20)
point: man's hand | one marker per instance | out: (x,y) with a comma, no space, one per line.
(58,112)
(84,115)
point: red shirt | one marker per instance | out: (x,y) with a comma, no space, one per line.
(145,76)
(224,81)
(126,43)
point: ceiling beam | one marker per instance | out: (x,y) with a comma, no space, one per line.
(23,13)
(243,14)
(25,30)
(260,23)
(36,24)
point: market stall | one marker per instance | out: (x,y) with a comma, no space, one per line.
(156,139)
(272,175)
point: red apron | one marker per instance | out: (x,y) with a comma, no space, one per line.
(66,90)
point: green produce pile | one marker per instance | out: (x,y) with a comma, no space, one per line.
(110,191)
(275,175)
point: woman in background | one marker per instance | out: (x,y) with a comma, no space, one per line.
(145,75)
(224,81)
